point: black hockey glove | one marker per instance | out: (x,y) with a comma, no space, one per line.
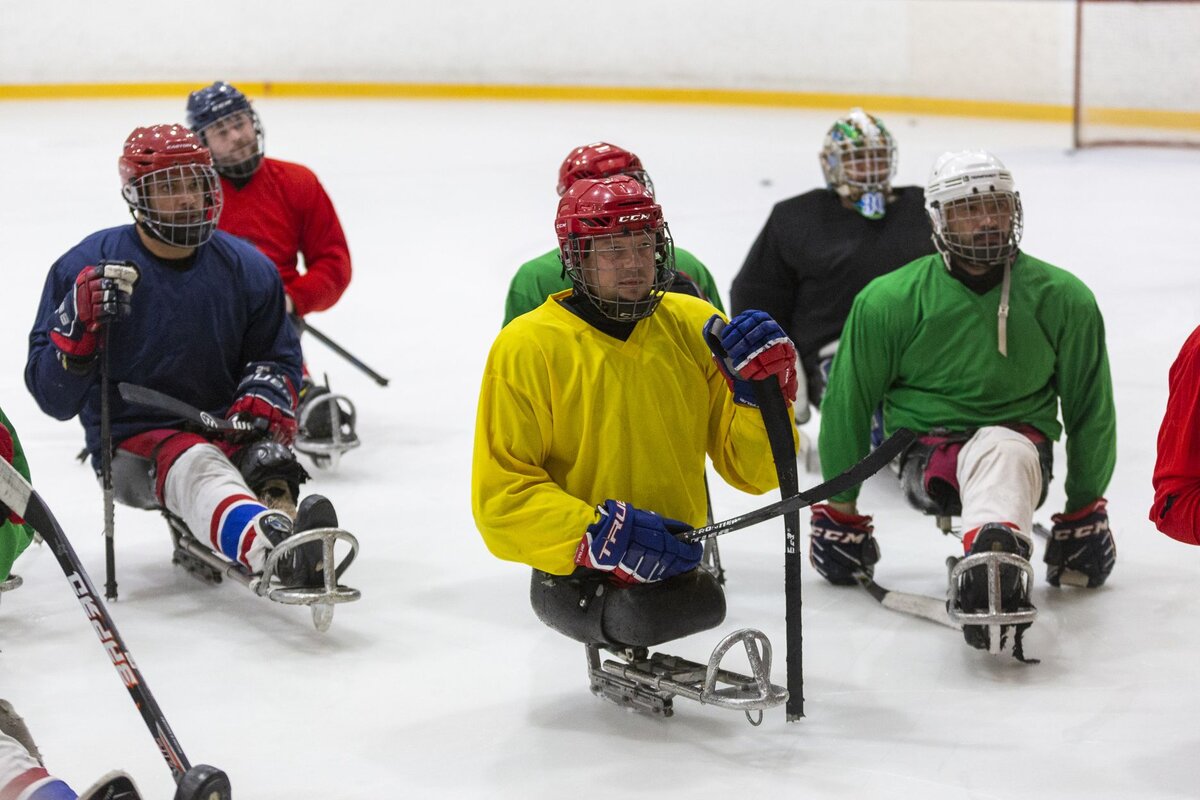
(841,545)
(1081,551)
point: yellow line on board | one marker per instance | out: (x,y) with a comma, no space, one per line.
(1039,112)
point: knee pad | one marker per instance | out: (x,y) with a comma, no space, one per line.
(266,460)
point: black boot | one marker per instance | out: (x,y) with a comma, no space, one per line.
(302,566)
(1014,587)
(315,511)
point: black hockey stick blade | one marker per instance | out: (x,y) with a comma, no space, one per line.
(876,460)
(19,496)
(916,605)
(152,398)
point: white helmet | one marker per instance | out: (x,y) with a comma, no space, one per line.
(973,184)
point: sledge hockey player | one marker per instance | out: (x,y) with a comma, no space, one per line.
(819,249)
(595,415)
(282,209)
(543,276)
(1176,509)
(15,535)
(197,314)
(975,347)
(23,776)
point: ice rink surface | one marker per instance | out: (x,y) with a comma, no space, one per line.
(441,682)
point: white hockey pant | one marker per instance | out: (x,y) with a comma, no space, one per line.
(207,492)
(999,480)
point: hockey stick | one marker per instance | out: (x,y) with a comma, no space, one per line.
(777,418)
(110,555)
(876,460)
(303,326)
(916,605)
(152,398)
(200,782)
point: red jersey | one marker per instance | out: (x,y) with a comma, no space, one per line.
(1176,509)
(284,211)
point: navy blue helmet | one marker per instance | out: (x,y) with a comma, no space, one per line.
(228,126)
(206,106)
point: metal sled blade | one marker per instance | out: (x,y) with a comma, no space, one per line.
(650,682)
(321,599)
(626,692)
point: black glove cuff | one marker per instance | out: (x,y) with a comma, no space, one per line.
(77,365)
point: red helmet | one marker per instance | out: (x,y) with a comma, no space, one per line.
(158,147)
(169,184)
(600,160)
(610,226)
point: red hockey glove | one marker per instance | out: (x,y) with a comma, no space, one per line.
(266,394)
(101,294)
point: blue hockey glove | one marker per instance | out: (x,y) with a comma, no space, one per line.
(636,546)
(750,347)
(1081,551)
(266,394)
(841,545)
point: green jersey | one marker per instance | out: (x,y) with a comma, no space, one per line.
(925,346)
(14,538)
(543,276)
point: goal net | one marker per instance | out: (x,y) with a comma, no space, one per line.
(1137,72)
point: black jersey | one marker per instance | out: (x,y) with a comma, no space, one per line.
(814,255)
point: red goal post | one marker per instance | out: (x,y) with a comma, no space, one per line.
(1137,73)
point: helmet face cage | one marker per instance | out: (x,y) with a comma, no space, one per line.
(982,228)
(180,205)
(610,269)
(236,142)
(859,155)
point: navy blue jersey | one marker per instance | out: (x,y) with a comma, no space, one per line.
(191,332)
